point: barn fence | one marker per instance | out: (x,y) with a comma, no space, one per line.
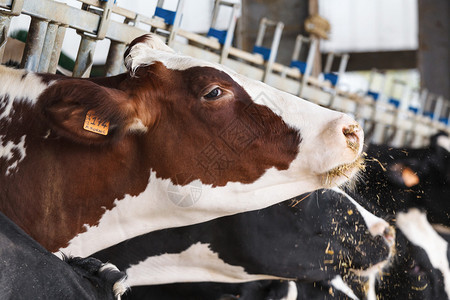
(386,117)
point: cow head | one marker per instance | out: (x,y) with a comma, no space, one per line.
(420,267)
(208,123)
(402,178)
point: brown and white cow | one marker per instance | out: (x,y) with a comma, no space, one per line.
(187,141)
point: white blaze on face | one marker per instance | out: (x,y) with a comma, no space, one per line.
(418,230)
(187,267)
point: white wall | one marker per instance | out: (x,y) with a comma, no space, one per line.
(370,25)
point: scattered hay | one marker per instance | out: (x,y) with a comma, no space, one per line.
(342,170)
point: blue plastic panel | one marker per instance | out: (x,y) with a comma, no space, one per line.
(265,52)
(221,35)
(428,114)
(167,15)
(299,65)
(395,102)
(444,120)
(333,78)
(414,109)
(374,95)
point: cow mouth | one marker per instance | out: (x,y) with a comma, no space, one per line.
(343,173)
(377,268)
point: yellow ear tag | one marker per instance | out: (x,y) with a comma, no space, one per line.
(409,177)
(95,124)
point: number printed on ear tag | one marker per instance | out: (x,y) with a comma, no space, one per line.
(95,124)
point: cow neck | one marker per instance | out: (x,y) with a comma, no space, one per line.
(91,177)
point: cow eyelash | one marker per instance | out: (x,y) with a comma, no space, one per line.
(214,94)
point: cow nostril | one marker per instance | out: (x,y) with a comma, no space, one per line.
(351,136)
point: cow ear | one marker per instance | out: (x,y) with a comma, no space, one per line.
(88,113)
(143,51)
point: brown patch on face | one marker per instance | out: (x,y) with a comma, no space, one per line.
(217,141)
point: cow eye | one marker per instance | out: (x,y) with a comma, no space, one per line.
(213,94)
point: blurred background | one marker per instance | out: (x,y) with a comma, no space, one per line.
(408,39)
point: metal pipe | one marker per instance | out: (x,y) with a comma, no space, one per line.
(85,57)
(230,33)
(34,45)
(176,23)
(261,31)
(49,43)
(114,61)
(297,47)
(342,67)
(56,51)
(438,108)
(215,13)
(329,63)
(273,50)
(5,21)
(309,65)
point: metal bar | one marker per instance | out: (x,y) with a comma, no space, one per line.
(297,47)
(261,31)
(114,61)
(16,7)
(273,49)
(5,21)
(309,65)
(423,100)
(105,19)
(342,66)
(230,33)
(330,58)
(56,51)
(176,22)
(49,43)
(215,13)
(75,18)
(438,108)
(34,44)
(85,57)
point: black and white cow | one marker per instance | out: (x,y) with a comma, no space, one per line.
(418,270)
(324,235)
(28,271)
(400,178)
